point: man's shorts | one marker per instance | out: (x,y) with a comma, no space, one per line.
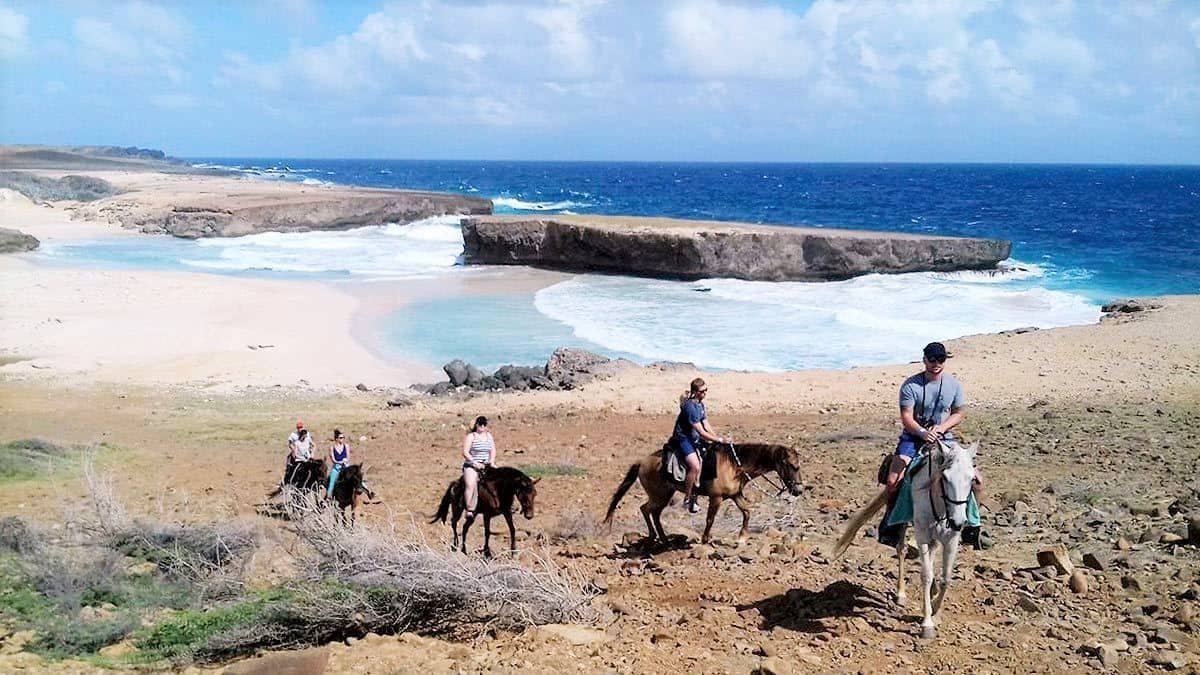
(909,445)
(684,447)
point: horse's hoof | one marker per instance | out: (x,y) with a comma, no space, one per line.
(928,632)
(901,600)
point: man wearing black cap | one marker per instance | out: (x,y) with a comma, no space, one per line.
(931,405)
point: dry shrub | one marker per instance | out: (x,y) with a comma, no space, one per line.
(445,591)
(194,552)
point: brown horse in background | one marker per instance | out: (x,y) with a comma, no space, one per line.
(498,488)
(752,460)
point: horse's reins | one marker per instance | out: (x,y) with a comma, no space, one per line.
(945,517)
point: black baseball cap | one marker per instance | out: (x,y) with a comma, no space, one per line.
(935,351)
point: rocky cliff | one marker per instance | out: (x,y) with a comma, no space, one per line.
(234,208)
(680,249)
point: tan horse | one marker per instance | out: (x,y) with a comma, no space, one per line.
(752,460)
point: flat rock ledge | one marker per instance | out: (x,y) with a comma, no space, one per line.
(15,241)
(683,249)
(254,209)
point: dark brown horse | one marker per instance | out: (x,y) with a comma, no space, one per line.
(752,460)
(309,476)
(498,488)
(349,489)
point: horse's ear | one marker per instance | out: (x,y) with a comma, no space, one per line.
(972,449)
(365,469)
(536,480)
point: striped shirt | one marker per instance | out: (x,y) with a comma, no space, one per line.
(482,446)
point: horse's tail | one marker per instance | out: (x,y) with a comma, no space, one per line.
(626,483)
(857,522)
(444,508)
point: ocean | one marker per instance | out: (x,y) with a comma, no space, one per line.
(1082,235)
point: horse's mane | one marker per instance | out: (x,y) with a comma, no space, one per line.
(759,453)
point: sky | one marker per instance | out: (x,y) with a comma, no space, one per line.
(672,80)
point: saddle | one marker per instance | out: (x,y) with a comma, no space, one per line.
(674,471)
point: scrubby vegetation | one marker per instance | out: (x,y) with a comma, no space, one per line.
(44,189)
(543,470)
(175,593)
(32,458)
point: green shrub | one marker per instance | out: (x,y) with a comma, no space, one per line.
(31,458)
(542,470)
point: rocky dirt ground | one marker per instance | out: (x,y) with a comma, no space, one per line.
(1113,481)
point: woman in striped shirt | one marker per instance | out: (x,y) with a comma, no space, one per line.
(479,451)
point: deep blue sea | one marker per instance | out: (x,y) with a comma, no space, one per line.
(1081,235)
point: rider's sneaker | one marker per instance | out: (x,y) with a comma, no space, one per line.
(970,536)
(693,506)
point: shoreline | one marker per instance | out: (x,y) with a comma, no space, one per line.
(236,314)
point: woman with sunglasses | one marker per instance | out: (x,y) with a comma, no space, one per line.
(691,426)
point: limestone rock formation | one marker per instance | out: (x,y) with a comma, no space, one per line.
(15,241)
(250,207)
(680,249)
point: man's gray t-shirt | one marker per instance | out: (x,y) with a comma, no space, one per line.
(931,401)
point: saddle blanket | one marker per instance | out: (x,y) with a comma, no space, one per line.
(902,511)
(675,471)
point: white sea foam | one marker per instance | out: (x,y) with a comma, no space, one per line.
(522,205)
(419,249)
(781,326)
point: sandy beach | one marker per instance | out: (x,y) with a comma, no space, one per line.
(173,373)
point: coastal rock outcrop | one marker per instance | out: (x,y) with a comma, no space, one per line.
(15,241)
(680,249)
(567,368)
(248,207)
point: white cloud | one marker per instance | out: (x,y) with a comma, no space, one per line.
(14,33)
(1065,54)
(567,40)
(1001,77)
(713,40)
(138,38)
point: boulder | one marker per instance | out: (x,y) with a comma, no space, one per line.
(570,367)
(441,389)
(1058,557)
(474,377)
(456,370)
(15,241)
(1129,306)
(1097,560)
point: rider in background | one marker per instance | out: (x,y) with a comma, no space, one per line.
(478,452)
(690,427)
(300,449)
(339,457)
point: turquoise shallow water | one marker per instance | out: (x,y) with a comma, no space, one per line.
(486,330)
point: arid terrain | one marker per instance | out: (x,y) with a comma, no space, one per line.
(1092,440)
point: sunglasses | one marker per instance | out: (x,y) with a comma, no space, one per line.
(936,359)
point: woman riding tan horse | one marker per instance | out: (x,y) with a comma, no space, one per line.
(736,466)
